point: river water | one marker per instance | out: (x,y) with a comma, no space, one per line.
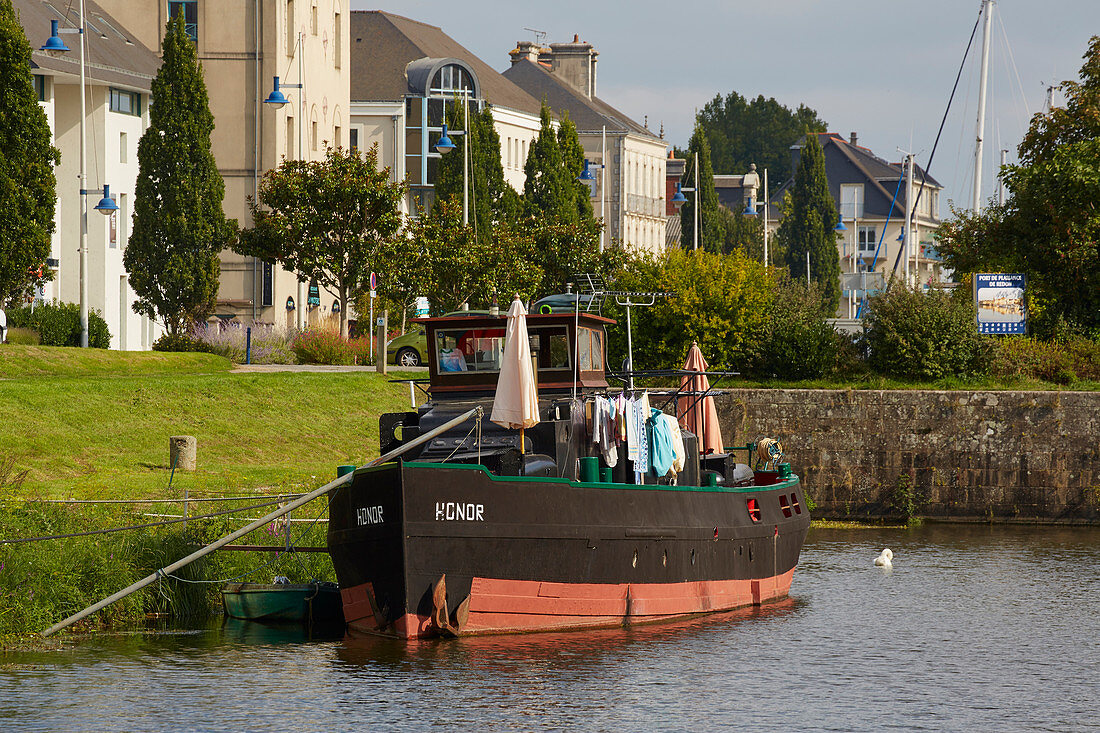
(974,628)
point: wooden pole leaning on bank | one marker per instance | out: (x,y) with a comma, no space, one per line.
(477,411)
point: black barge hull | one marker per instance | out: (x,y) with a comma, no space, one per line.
(540,554)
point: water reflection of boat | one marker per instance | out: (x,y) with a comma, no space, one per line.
(475,532)
(250,632)
(579,647)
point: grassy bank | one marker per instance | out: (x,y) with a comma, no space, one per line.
(100,429)
(94,424)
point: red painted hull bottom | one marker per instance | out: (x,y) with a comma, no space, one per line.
(520,606)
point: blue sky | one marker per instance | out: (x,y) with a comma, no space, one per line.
(882,68)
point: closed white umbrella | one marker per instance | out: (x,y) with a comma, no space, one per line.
(516,404)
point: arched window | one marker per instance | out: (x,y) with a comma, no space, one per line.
(450,78)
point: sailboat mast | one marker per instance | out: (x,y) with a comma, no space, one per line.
(987,11)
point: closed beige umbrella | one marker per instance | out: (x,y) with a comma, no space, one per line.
(516,404)
(699,415)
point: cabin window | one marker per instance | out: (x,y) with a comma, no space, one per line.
(590,349)
(469,350)
(552,347)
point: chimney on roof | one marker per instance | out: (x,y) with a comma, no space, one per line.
(526,51)
(853,139)
(575,64)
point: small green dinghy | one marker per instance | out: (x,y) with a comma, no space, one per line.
(315,602)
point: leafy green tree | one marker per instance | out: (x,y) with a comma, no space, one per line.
(1049,226)
(712,232)
(572,158)
(491,199)
(27,184)
(761,131)
(326,220)
(718,300)
(179,226)
(741,232)
(808,226)
(445,261)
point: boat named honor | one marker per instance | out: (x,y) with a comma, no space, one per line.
(579,532)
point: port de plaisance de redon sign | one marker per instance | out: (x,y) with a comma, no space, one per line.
(1000,301)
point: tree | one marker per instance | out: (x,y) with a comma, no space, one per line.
(1049,226)
(712,234)
(761,131)
(326,220)
(545,193)
(808,225)
(719,300)
(27,184)
(179,226)
(491,199)
(572,159)
(444,260)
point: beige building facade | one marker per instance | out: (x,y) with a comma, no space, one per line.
(243,45)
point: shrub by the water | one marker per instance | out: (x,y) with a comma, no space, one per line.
(1051,361)
(58,324)
(925,335)
(797,342)
(321,345)
(43,582)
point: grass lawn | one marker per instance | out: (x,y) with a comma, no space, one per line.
(95,424)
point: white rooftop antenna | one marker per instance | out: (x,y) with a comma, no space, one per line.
(539,35)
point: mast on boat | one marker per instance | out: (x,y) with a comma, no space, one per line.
(987,12)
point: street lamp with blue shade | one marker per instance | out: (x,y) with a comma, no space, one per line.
(750,210)
(444,145)
(54,44)
(678,199)
(586,175)
(840,225)
(276,96)
(106,205)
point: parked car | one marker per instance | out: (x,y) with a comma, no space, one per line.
(411,348)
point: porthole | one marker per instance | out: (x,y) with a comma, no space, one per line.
(693,557)
(634,562)
(750,553)
(664,559)
(754,510)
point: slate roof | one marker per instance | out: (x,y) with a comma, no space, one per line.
(881,175)
(589,115)
(383,44)
(112,55)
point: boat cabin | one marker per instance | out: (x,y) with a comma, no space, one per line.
(465,352)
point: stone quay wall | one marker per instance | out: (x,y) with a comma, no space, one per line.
(996,456)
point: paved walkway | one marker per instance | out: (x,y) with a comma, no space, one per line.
(322,368)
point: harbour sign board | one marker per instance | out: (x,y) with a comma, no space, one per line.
(1000,302)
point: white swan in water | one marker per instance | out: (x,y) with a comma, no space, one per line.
(884,559)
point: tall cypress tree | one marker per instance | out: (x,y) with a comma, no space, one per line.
(572,158)
(808,226)
(544,192)
(492,200)
(179,225)
(711,229)
(27,183)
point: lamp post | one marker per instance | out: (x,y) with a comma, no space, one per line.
(679,199)
(106,206)
(750,210)
(445,145)
(589,180)
(840,229)
(277,99)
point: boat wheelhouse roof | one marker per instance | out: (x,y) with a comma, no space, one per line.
(464,351)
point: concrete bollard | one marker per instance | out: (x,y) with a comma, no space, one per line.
(182,452)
